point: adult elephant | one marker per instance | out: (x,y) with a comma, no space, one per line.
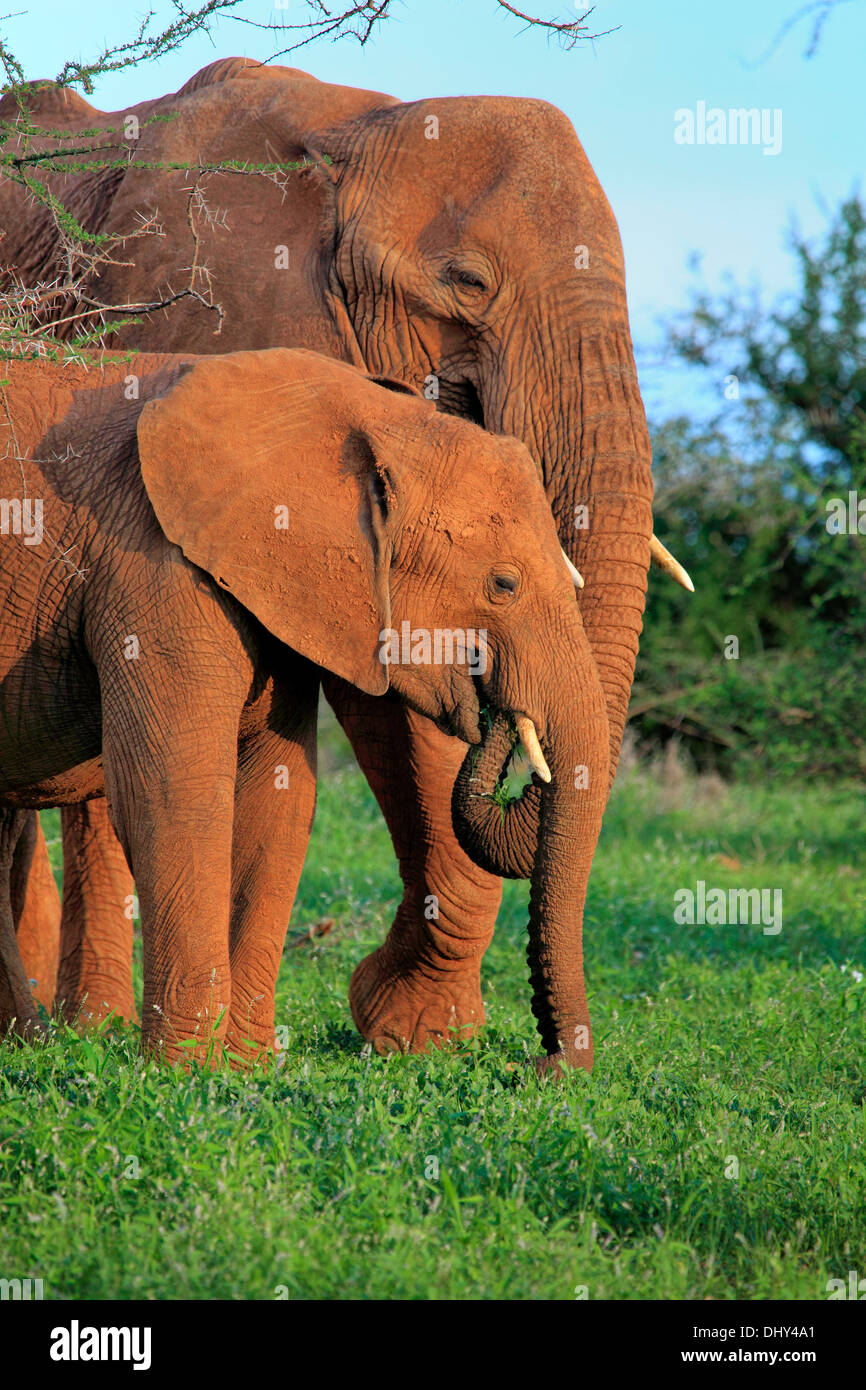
(461,245)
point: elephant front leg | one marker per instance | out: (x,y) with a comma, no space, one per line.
(180,845)
(423,985)
(170,780)
(95,974)
(275,799)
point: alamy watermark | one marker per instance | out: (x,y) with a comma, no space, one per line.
(738,125)
(22,517)
(729,907)
(438,646)
(21,1289)
(855,1288)
(77,1343)
(846,516)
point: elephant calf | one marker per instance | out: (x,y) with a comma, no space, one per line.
(176,568)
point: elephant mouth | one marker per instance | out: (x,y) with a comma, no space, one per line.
(524,756)
(462,720)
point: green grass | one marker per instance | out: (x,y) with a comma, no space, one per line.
(454,1175)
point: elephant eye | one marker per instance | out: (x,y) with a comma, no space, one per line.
(503,584)
(466,279)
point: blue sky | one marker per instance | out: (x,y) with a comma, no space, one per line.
(730,203)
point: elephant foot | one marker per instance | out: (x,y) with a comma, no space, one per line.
(399,1008)
(557,1065)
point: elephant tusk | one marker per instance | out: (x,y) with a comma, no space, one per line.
(575,573)
(529,739)
(662,557)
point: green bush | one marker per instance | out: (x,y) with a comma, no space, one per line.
(762,669)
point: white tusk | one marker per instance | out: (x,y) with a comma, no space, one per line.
(529,739)
(662,557)
(575,573)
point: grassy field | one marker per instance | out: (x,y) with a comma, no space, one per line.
(717,1150)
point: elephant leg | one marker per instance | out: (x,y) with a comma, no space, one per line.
(170,767)
(275,798)
(423,984)
(17,1006)
(36,908)
(95,973)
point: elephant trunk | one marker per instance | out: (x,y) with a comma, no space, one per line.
(609,542)
(571,811)
(584,422)
(549,835)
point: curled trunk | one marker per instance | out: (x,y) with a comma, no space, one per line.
(501,836)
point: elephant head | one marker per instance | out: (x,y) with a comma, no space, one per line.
(434,570)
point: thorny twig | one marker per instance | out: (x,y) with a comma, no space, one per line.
(82,261)
(28,309)
(567,31)
(142,47)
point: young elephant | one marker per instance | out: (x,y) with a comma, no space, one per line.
(174,570)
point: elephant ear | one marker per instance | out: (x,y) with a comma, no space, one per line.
(269,471)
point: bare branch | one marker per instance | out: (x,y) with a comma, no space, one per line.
(359,21)
(356,22)
(569,32)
